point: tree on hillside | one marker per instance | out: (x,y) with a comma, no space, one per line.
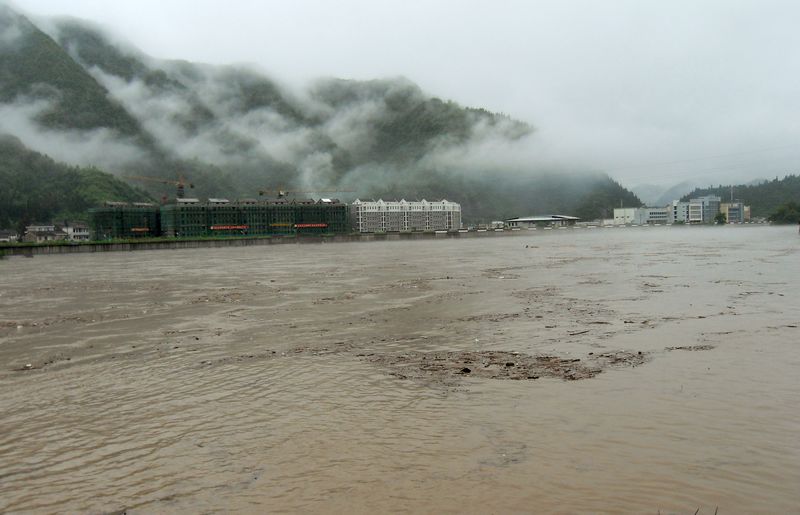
(788,213)
(763,198)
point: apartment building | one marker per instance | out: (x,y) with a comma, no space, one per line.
(702,210)
(390,216)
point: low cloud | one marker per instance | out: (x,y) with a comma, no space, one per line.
(98,147)
(9,33)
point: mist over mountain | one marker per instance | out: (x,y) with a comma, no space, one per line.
(655,195)
(73,92)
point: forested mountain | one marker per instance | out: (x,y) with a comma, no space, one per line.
(50,191)
(34,68)
(763,198)
(74,93)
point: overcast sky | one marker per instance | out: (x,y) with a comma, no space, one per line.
(650,91)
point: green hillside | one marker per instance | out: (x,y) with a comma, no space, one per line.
(37,189)
(764,199)
(92,48)
(33,66)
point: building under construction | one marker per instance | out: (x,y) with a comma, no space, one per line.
(191,218)
(121,220)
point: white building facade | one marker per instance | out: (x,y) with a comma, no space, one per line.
(76,232)
(699,210)
(642,215)
(383,216)
(625,215)
(680,212)
(735,212)
(702,210)
(529,222)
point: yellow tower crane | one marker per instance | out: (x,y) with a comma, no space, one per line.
(283,193)
(180,184)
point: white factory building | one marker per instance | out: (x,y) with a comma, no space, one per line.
(528,222)
(642,215)
(404,215)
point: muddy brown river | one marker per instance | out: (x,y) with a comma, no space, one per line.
(630,370)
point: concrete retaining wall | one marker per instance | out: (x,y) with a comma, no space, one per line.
(22,250)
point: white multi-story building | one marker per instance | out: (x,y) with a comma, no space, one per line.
(696,210)
(656,215)
(680,212)
(76,231)
(642,215)
(383,216)
(703,209)
(735,212)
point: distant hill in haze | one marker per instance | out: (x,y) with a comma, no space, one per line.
(71,91)
(764,198)
(656,196)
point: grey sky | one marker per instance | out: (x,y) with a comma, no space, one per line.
(650,91)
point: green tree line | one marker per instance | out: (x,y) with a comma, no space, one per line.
(764,199)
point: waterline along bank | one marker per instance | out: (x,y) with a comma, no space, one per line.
(32,249)
(162,243)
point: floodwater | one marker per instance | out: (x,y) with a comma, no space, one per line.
(281,379)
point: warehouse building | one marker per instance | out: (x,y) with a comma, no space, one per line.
(529,222)
(642,215)
(402,216)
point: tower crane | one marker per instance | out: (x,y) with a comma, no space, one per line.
(179,184)
(283,193)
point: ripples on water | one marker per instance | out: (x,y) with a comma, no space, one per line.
(187,421)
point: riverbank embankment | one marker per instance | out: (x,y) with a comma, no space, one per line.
(117,246)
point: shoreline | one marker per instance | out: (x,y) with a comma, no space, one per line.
(115,246)
(30,250)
